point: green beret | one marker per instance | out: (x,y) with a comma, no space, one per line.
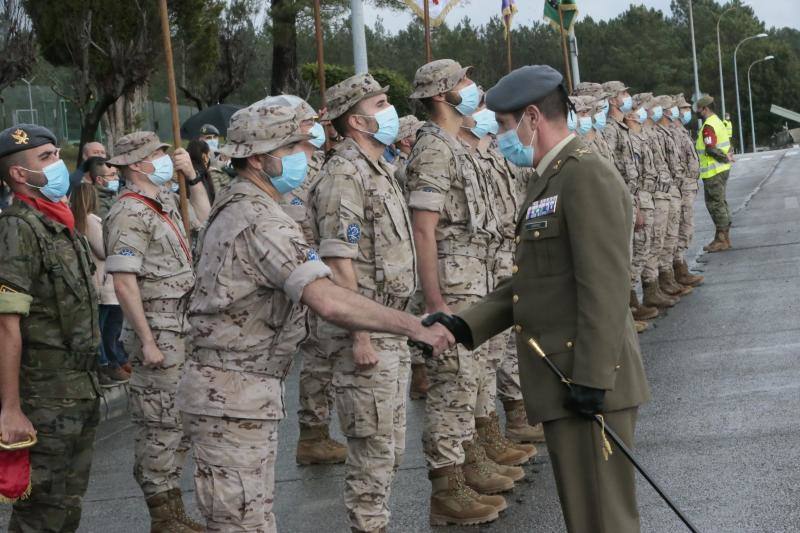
(522,87)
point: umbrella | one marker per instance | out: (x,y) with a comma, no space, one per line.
(217,115)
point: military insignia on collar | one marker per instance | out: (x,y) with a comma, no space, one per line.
(556,165)
(542,208)
(312,255)
(583,150)
(20,136)
(353,233)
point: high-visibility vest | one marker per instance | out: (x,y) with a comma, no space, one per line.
(729,128)
(710,167)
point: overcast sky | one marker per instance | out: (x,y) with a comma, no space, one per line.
(772,12)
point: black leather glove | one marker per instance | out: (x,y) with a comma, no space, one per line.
(586,401)
(455,324)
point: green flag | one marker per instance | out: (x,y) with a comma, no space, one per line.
(569,12)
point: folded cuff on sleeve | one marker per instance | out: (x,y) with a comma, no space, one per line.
(337,248)
(426,201)
(123,263)
(302,276)
(15,303)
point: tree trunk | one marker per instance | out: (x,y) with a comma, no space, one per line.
(91,121)
(284,47)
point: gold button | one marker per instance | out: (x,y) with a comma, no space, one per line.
(518,328)
(514,269)
(515,299)
(536,234)
(569,344)
(516,239)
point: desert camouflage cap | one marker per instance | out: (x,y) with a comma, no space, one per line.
(302,109)
(613,88)
(438,77)
(134,147)
(680,101)
(664,101)
(597,104)
(260,129)
(409,125)
(588,88)
(643,100)
(583,103)
(344,95)
(704,101)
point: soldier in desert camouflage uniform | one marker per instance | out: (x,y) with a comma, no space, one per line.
(148,254)
(255,268)
(406,139)
(364,229)
(48,315)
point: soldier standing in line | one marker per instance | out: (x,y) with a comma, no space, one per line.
(453,229)
(406,139)
(365,236)
(592,121)
(48,320)
(148,254)
(254,272)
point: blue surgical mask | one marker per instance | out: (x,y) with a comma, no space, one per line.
(175,187)
(213,144)
(485,123)
(162,170)
(572,120)
(658,112)
(470,99)
(584,125)
(674,113)
(687,117)
(319,135)
(57,176)
(605,108)
(600,120)
(293,173)
(627,104)
(641,115)
(388,126)
(112,185)
(513,149)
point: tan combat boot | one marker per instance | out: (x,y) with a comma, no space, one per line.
(316,447)
(498,448)
(453,503)
(477,473)
(176,500)
(515,473)
(640,326)
(641,312)
(718,244)
(667,284)
(163,515)
(726,233)
(684,277)
(654,298)
(517,427)
(419,382)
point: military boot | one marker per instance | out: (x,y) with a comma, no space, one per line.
(452,502)
(477,473)
(641,312)
(316,447)
(667,284)
(419,382)
(176,499)
(356,530)
(640,326)
(726,234)
(684,277)
(517,427)
(654,298)
(163,515)
(515,473)
(718,244)
(498,448)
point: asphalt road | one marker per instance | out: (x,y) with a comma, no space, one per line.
(721,433)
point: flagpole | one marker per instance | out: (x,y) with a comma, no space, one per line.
(320,53)
(564,48)
(508,44)
(427,22)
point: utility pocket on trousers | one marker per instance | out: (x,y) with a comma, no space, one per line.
(229,494)
(153,406)
(364,412)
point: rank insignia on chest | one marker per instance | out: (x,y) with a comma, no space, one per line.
(542,208)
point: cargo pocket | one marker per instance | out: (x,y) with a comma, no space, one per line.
(153,406)
(450,362)
(230,494)
(364,412)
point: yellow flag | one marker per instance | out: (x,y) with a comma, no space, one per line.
(437,9)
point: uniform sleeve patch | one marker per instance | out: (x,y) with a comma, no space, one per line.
(428,189)
(296,201)
(312,255)
(353,233)
(127,252)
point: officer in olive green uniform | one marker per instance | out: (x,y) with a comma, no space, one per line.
(569,292)
(48,311)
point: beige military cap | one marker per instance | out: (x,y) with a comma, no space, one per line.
(134,147)
(643,100)
(344,95)
(595,90)
(260,129)
(409,125)
(582,103)
(613,88)
(302,108)
(664,101)
(680,101)
(438,77)
(704,101)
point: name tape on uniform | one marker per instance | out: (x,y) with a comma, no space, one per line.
(542,208)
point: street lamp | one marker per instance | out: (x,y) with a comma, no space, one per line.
(736,76)
(719,55)
(694,54)
(750,96)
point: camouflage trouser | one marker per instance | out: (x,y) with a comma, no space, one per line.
(160,445)
(660,219)
(686,230)
(667,254)
(234,475)
(716,203)
(60,464)
(455,378)
(316,373)
(417,307)
(508,388)
(371,406)
(643,239)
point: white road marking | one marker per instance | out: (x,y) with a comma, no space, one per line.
(744,158)
(767,156)
(791,202)
(794,152)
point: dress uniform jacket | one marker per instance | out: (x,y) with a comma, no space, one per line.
(570,287)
